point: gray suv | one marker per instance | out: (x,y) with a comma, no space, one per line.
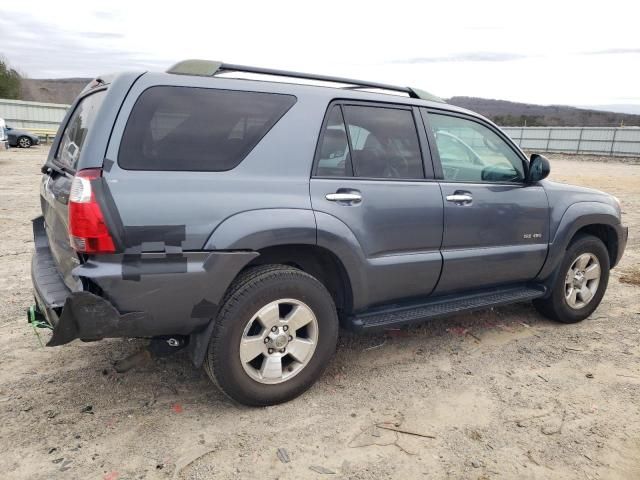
(246,220)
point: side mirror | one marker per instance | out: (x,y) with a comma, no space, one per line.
(539,168)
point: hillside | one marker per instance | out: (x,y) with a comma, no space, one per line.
(59,90)
(508,114)
(505,113)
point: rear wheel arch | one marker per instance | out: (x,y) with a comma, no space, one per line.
(318,262)
(230,360)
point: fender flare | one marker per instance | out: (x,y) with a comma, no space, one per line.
(257,229)
(577,216)
(335,236)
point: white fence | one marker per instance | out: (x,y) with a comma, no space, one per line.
(622,141)
(32,115)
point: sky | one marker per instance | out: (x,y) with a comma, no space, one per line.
(547,52)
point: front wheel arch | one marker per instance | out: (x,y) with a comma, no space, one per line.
(605,233)
(554,305)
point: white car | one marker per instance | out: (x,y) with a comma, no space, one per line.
(4,139)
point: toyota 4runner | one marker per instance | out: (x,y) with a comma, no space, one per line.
(246,219)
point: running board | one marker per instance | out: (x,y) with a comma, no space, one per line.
(402,314)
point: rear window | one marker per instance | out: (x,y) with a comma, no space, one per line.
(75,133)
(197,129)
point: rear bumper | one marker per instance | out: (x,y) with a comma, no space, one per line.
(144,295)
(49,289)
(71,314)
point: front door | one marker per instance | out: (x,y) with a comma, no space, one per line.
(371,177)
(496,227)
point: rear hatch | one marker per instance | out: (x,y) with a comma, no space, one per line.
(56,185)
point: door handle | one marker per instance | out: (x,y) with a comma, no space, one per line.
(463,198)
(344,197)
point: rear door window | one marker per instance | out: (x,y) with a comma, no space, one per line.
(379,142)
(75,133)
(197,129)
(384,142)
(333,154)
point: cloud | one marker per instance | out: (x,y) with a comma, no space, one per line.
(106,15)
(44,50)
(467,57)
(102,35)
(614,51)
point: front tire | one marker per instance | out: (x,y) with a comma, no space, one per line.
(580,284)
(273,337)
(24,142)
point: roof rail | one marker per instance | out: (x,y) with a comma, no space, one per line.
(209,68)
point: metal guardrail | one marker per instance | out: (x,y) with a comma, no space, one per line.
(608,141)
(32,116)
(45,135)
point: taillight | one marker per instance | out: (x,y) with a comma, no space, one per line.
(88,232)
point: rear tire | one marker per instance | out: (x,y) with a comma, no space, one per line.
(578,289)
(24,142)
(273,337)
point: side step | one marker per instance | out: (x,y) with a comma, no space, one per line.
(402,314)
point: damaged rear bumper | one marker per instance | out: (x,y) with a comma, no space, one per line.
(87,316)
(143,295)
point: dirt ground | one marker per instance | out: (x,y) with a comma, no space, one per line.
(496,394)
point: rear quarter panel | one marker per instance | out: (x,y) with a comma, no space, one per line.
(275,175)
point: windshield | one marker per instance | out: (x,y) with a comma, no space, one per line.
(77,128)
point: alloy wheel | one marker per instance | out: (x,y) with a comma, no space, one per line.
(279,341)
(582,280)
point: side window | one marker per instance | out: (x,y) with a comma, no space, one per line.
(378,142)
(333,155)
(471,152)
(75,133)
(197,129)
(384,142)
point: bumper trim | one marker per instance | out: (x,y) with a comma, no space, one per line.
(89,317)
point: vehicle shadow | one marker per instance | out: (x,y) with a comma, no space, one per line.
(163,382)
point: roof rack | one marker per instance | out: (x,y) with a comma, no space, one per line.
(209,68)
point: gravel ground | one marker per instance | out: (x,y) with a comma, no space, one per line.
(496,394)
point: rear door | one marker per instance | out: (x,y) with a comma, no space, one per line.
(56,184)
(496,227)
(370,174)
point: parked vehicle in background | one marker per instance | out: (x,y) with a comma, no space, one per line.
(21,138)
(247,220)
(4,144)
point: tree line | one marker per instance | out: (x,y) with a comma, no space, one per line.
(10,81)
